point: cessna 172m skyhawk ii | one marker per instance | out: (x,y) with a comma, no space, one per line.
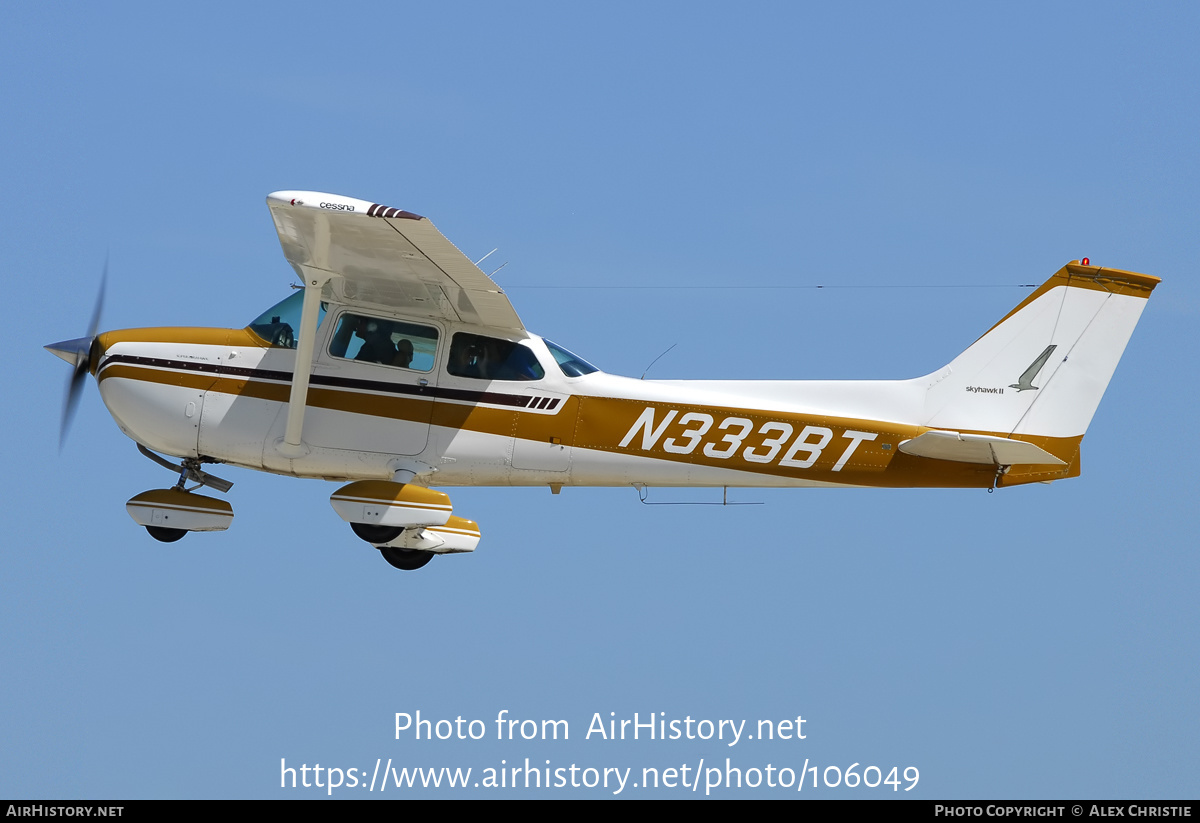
(400,365)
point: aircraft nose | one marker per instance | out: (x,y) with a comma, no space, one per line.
(71,350)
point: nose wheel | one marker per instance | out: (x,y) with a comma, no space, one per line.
(164,535)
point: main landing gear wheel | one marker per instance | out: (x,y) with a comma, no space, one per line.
(408,560)
(376,534)
(165,535)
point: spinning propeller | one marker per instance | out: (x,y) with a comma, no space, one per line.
(78,353)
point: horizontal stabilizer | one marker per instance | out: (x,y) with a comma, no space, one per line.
(978,448)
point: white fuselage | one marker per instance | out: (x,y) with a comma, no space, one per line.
(227,401)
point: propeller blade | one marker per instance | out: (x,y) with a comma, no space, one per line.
(99,300)
(77,352)
(71,402)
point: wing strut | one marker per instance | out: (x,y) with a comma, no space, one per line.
(314,280)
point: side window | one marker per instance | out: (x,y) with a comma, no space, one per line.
(487,358)
(388,342)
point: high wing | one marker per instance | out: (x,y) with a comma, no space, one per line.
(367,254)
(386,257)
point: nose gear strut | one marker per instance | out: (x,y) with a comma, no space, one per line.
(189,469)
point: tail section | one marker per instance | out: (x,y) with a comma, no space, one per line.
(1041,371)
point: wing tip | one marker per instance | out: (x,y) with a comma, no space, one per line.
(321,201)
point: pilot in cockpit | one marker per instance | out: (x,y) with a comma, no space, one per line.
(377,341)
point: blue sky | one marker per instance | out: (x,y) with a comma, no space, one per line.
(1038,642)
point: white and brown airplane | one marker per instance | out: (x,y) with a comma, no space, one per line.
(401,366)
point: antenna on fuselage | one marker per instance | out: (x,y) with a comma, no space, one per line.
(644,493)
(655,360)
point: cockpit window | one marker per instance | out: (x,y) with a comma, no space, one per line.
(388,342)
(572,365)
(488,358)
(280,324)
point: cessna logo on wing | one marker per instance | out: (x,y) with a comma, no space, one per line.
(801,452)
(336,206)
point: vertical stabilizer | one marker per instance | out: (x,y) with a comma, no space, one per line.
(1042,370)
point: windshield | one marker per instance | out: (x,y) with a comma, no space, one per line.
(572,365)
(280,324)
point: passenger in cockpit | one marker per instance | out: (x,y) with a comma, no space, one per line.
(404,353)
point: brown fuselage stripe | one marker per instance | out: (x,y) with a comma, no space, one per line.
(430,392)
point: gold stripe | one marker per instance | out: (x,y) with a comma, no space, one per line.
(393,494)
(173,507)
(173,498)
(394,503)
(460,523)
(459,526)
(184,335)
(1095,278)
(191,380)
